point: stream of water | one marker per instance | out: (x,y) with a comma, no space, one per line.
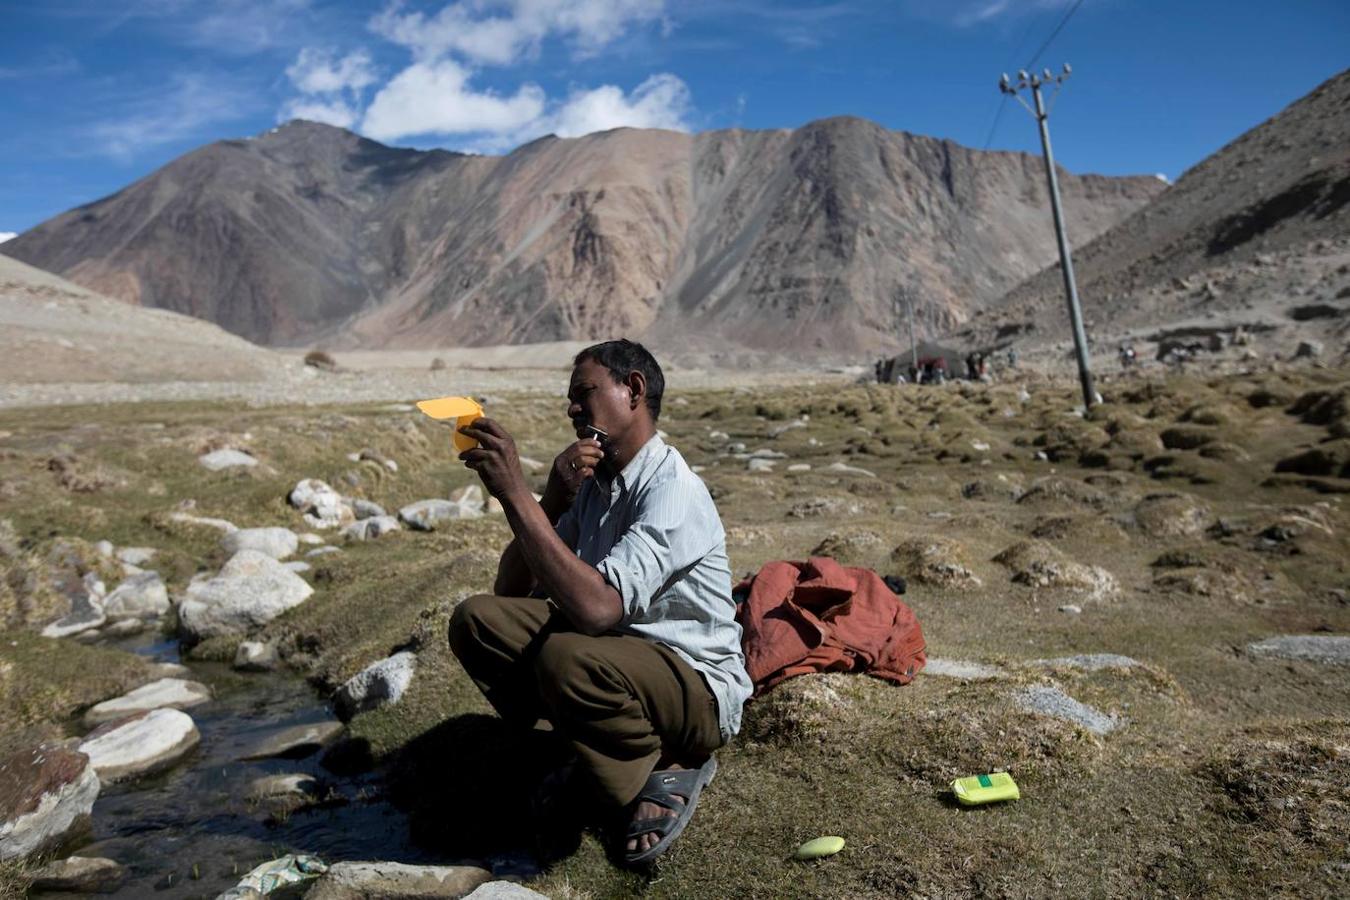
(191,832)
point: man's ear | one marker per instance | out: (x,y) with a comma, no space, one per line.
(637,388)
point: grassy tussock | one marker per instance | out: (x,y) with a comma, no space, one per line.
(1161,806)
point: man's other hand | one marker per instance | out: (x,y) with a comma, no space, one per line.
(494,459)
(574,465)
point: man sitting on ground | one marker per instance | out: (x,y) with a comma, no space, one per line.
(635,656)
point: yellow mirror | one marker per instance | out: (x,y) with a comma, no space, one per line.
(462,409)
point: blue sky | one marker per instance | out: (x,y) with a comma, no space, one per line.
(94,95)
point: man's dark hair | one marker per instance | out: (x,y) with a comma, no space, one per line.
(624,356)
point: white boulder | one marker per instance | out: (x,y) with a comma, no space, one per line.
(46,792)
(149,742)
(140,596)
(251,590)
(277,543)
(172,693)
(378,684)
(217,460)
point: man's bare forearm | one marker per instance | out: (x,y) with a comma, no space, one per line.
(514,576)
(576,586)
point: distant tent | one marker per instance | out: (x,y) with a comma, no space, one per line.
(953,361)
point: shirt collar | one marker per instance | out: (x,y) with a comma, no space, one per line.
(637,465)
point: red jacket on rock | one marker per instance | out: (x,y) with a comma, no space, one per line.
(818,616)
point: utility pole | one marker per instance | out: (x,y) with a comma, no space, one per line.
(1036,82)
(913,345)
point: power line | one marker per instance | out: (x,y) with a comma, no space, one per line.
(1017,49)
(998,116)
(1054,34)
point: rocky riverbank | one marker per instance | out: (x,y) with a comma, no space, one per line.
(1124,609)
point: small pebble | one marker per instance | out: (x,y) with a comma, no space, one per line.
(1071,609)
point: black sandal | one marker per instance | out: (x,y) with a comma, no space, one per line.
(667,788)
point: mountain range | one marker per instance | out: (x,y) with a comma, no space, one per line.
(1257,234)
(816,238)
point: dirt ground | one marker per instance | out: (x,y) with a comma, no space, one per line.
(1178,523)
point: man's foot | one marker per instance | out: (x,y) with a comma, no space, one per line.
(663,808)
(646,809)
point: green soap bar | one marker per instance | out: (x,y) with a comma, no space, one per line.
(821,846)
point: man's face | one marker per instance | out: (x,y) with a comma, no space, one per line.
(593,398)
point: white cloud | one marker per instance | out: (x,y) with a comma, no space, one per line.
(435,98)
(168,114)
(499,32)
(330,112)
(331,89)
(662,101)
(965,13)
(317,72)
(436,94)
(7,235)
(239,27)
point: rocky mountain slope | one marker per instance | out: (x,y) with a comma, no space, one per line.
(1257,234)
(789,240)
(55,331)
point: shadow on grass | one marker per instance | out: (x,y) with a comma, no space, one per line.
(467,784)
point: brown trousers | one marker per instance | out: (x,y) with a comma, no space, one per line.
(621,701)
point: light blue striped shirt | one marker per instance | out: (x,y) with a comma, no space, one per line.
(654,534)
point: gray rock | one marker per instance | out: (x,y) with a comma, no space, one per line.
(1308,350)
(504,890)
(378,684)
(297,566)
(171,670)
(426,515)
(309,538)
(124,628)
(142,596)
(1319,648)
(1088,662)
(204,521)
(766,453)
(217,460)
(1071,609)
(171,693)
(291,784)
(963,669)
(370,529)
(1051,701)
(46,792)
(255,656)
(136,556)
(362,880)
(104,548)
(469,499)
(141,745)
(80,875)
(323,551)
(323,507)
(86,608)
(251,590)
(844,469)
(366,509)
(277,543)
(296,741)
(799,467)
(759,465)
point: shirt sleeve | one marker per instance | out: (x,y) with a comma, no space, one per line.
(668,535)
(568,528)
